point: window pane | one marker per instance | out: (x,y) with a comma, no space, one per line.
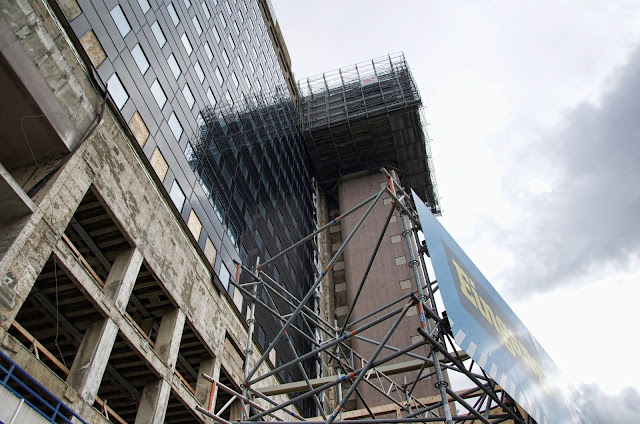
(188,96)
(227,96)
(225,57)
(157,32)
(173,14)
(173,64)
(177,196)
(240,63)
(117,91)
(158,93)
(140,58)
(216,35)
(212,98)
(231,42)
(219,76)
(187,4)
(235,25)
(244,47)
(199,72)
(205,8)
(208,51)
(196,23)
(144,5)
(224,276)
(222,20)
(234,79)
(186,43)
(120,20)
(226,3)
(175,126)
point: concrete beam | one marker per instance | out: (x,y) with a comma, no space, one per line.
(15,202)
(91,360)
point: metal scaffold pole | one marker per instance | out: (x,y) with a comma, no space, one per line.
(264,395)
(441,384)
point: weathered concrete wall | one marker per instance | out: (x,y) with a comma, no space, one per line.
(109,163)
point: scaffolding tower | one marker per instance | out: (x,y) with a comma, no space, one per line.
(430,354)
(364,117)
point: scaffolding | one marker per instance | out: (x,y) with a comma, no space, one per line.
(433,352)
(366,116)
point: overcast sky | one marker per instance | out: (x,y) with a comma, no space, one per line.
(534,112)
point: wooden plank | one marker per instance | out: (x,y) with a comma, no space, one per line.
(40,348)
(184,382)
(82,260)
(301,386)
(137,327)
(110,412)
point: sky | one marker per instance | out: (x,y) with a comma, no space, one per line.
(534,116)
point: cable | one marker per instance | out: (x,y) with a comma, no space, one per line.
(55,273)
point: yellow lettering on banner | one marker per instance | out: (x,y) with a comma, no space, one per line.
(513,345)
(466,284)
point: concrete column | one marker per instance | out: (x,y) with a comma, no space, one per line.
(235,411)
(122,277)
(153,403)
(88,367)
(169,336)
(211,367)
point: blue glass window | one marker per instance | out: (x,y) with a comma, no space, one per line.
(196,24)
(157,32)
(211,97)
(144,5)
(188,96)
(199,71)
(140,58)
(173,14)
(158,93)
(175,126)
(121,21)
(177,195)
(206,10)
(117,91)
(208,51)
(173,65)
(186,43)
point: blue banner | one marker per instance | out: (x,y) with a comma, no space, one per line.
(486,328)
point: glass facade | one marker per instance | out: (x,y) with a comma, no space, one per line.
(229,134)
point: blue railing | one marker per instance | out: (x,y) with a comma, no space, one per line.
(21,384)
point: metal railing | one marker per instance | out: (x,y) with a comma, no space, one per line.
(24,386)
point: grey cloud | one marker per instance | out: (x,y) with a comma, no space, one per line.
(623,408)
(589,218)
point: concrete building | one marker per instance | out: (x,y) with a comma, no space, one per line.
(148,147)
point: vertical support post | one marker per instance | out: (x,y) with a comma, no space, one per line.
(122,277)
(91,360)
(169,336)
(339,370)
(204,388)
(153,402)
(424,323)
(248,350)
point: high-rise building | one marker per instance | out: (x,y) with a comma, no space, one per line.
(150,147)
